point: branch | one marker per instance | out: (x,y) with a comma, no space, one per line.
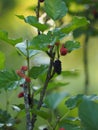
(42,94)
(27,107)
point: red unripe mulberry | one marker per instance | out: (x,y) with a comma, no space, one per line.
(24,68)
(21,94)
(19,72)
(63,50)
(28,79)
(62,128)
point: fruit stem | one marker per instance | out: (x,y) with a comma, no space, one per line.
(37,13)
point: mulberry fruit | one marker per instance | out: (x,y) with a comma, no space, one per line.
(24,68)
(63,50)
(21,94)
(57,66)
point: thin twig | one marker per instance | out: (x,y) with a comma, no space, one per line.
(37,13)
(42,94)
(85,59)
(26,89)
(28,64)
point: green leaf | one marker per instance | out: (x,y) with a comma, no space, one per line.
(22,48)
(42,41)
(73,101)
(55,9)
(45,115)
(8,80)
(74,24)
(36,71)
(55,85)
(58,34)
(2,60)
(4,37)
(21,17)
(54,99)
(5,118)
(88,113)
(72,45)
(70,73)
(32,20)
(70,126)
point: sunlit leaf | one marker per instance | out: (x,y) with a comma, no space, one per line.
(8,80)
(4,37)
(70,73)
(55,9)
(22,48)
(32,20)
(74,24)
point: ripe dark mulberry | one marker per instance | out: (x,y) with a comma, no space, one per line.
(41,0)
(57,66)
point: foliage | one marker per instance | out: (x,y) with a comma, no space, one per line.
(42,99)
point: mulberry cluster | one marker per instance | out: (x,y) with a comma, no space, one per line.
(21,73)
(57,66)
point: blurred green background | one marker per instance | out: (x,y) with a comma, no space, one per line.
(17,28)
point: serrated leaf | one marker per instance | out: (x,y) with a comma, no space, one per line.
(22,48)
(8,80)
(4,37)
(73,101)
(2,60)
(53,100)
(32,20)
(36,71)
(88,113)
(74,24)
(42,41)
(55,9)
(72,45)
(58,34)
